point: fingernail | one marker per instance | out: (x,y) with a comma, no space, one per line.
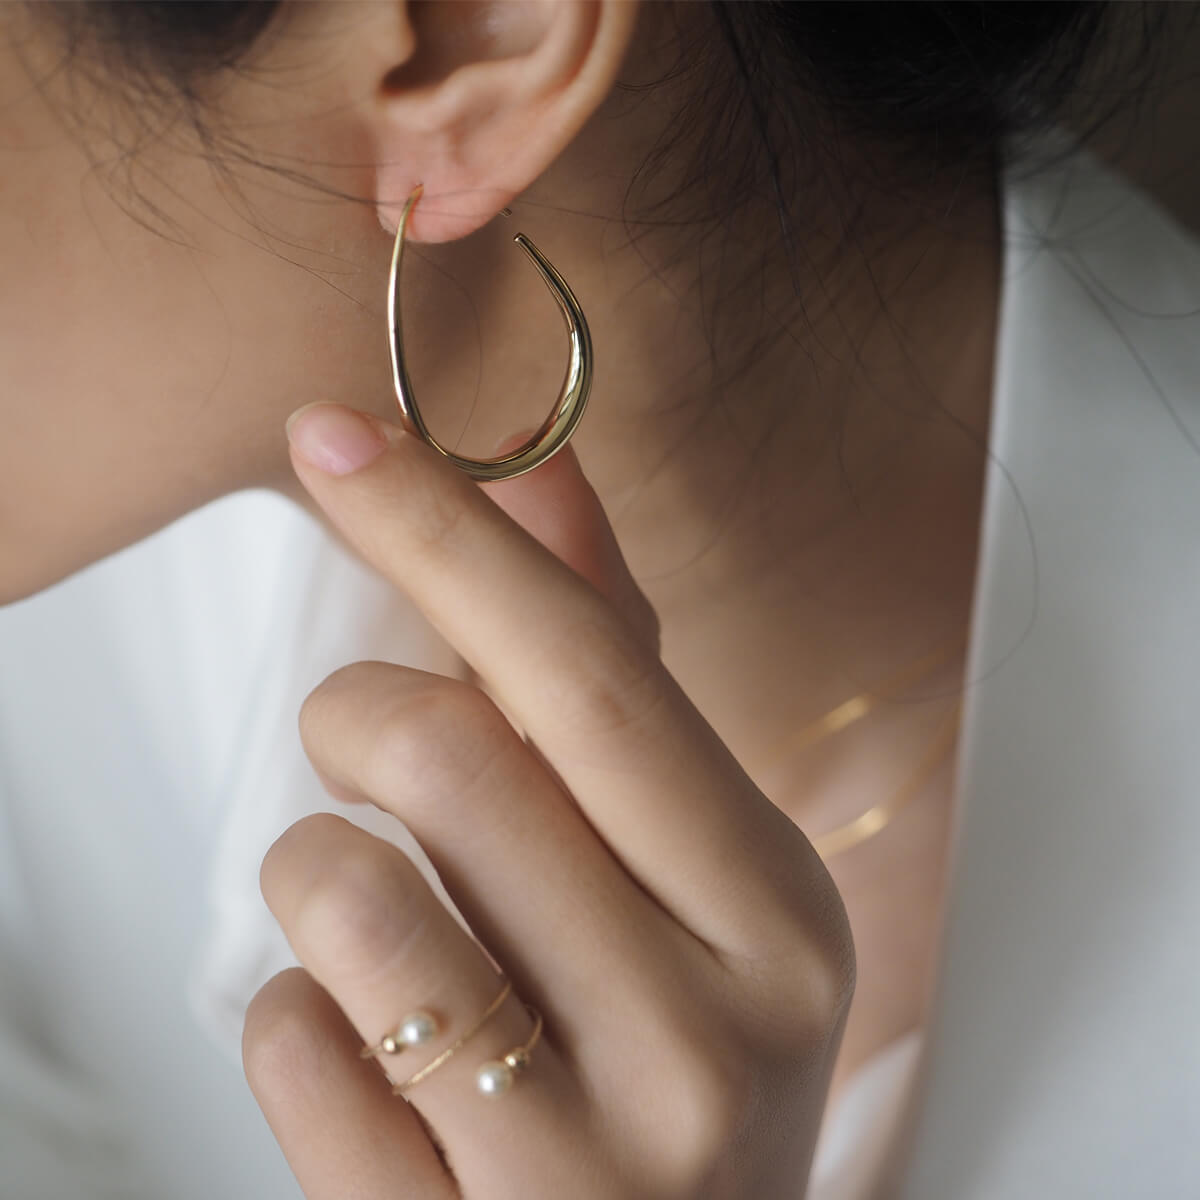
(333,438)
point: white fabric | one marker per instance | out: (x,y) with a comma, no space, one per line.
(1063,1053)
(149,755)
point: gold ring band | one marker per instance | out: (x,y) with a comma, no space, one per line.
(399,1088)
(496,1076)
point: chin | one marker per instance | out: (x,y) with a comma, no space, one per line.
(23,575)
(41,561)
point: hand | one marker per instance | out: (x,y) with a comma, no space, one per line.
(683,942)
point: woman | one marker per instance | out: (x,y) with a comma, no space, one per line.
(863,422)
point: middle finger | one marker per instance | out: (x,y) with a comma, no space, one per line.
(649,772)
(366,925)
(519,860)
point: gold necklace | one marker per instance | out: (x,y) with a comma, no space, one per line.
(869,823)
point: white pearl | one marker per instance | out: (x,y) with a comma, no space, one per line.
(493,1078)
(418,1027)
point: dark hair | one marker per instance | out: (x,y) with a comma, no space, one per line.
(958,71)
(172,42)
(946,76)
(942,77)
(859,100)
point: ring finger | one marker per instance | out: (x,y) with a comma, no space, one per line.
(327,1108)
(367,926)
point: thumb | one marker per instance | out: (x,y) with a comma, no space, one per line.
(555,503)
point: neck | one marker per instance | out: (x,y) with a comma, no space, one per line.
(798,492)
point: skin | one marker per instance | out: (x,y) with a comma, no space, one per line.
(719,932)
(147,376)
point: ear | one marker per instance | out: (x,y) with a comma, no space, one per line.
(474,99)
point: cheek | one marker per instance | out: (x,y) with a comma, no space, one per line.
(142,378)
(147,371)
(101,356)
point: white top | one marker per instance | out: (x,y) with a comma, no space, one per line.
(149,755)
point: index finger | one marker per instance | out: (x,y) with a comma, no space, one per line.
(647,770)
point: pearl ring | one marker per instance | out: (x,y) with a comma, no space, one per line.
(420,1026)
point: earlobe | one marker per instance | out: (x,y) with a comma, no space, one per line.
(490,95)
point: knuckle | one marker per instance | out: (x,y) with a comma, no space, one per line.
(799,977)
(843,965)
(433,515)
(815,998)
(362,911)
(615,684)
(436,745)
(342,688)
(804,944)
(831,968)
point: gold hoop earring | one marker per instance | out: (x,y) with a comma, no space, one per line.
(557,428)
